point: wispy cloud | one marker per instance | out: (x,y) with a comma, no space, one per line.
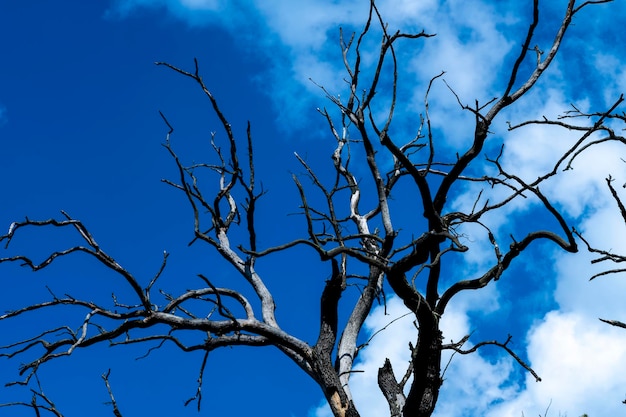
(194,13)
(474,43)
(580,361)
(301,43)
(3,115)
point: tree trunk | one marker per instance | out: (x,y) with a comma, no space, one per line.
(326,376)
(426,372)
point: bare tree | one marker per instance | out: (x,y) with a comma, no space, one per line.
(407,261)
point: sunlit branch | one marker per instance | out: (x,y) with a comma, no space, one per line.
(116,410)
(37,407)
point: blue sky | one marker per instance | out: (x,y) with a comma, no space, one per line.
(80,131)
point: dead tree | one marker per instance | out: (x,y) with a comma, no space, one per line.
(338,227)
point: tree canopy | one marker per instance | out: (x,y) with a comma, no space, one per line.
(418,242)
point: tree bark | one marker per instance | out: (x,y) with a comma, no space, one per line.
(340,404)
(391,389)
(426,372)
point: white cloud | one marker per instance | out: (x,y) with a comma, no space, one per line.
(581,362)
(472,384)
(613,72)
(603,297)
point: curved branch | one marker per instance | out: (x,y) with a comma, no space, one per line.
(457,348)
